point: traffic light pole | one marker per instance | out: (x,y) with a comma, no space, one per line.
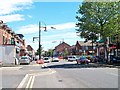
(39,41)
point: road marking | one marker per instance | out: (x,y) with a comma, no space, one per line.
(23,81)
(29,82)
(11,68)
(31,79)
(44,65)
(32,82)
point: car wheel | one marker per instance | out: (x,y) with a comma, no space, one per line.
(77,63)
(111,62)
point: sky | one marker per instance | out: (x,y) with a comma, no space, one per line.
(23,17)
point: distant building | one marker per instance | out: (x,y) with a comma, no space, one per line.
(30,51)
(62,48)
(83,48)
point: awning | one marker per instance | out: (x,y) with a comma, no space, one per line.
(102,40)
(112,47)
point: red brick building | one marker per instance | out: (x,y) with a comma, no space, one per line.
(82,48)
(8,37)
(61,48)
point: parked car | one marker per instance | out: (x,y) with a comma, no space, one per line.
(46,59)
(0,62)
(114,59)
(83,60)
(72,58)
(36,57)
(55,59)
(24,60)
(40,61)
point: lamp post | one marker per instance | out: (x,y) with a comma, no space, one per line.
(45,29)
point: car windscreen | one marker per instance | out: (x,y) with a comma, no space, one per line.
(45,58)
(23,57)
(83,58)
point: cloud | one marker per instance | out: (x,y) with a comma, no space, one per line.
(8,9)
(29,29)
(11,18)
(58,0)
(34,28)
(29,16)
(63,26)
(11,6)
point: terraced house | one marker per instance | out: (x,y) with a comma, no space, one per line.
(12,45)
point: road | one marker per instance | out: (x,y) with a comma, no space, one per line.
(61,74)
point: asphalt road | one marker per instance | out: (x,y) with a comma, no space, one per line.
(61,74)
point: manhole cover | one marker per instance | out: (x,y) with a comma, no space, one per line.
(60,80)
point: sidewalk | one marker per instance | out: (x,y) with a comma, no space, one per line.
(9,65)
(107,65)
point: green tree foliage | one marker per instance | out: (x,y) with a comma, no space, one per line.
(39,51)
(98,18)
(65,52)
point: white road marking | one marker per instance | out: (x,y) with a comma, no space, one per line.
(10,68)
(23,81)
(29,81)
(32,78)
(32,82)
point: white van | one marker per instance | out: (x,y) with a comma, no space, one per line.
(72,58)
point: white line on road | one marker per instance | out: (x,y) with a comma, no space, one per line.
(32,78)
(29,81)
(11,68)
(32,82)
(23,81)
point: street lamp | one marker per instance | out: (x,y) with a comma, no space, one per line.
(45,29)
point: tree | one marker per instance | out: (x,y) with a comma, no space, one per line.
(98,18)
(65,52)
(39,51)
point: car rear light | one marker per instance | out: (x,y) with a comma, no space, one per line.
(80,60)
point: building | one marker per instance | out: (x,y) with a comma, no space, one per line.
(30,51)
(62,49)
(8,38)
(82,48)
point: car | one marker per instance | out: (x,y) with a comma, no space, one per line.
(0,62)
(114,59)
(41,61)
(55,59)
(46,59)
(24,60)
(72,58)
(36,57)
(83,60)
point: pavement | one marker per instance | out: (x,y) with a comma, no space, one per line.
(67,66)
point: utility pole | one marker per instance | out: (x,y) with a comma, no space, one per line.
(39,40)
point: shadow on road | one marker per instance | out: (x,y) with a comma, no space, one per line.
(76,66)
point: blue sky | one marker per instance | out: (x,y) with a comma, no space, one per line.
(23,17)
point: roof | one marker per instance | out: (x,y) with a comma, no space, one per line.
(61,44)
(102,40)
(86,43)
(29,48)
